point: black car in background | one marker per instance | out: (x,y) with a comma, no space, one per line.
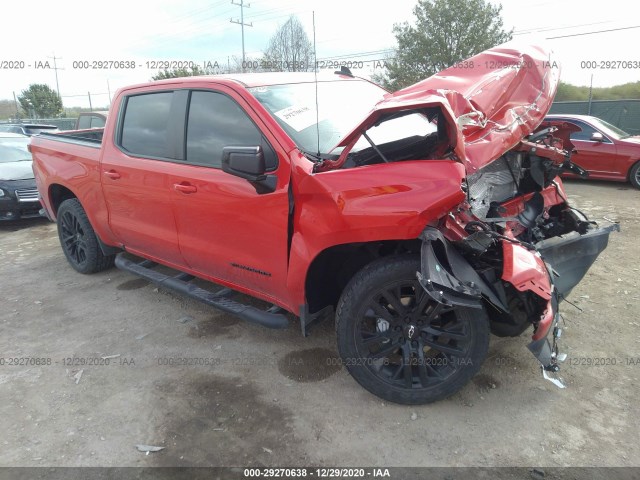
(18,192)
(27,128)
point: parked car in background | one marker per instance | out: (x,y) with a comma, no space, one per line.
(603,150)
(88,120)
(18,192)
(28,128)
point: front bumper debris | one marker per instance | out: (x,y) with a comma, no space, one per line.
(457,283)
(548,354)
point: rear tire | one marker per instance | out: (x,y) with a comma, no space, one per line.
(634,175)
(78,240)
(401,345)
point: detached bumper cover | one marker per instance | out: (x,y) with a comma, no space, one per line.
(570,256)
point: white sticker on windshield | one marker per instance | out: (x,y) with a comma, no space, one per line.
(297,117)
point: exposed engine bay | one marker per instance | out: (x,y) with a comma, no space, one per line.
(515,247)
(525,245)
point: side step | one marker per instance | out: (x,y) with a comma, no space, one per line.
(219,300)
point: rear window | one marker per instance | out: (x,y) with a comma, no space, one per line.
(97,122)
(145,128)
(11,129)
(84,122)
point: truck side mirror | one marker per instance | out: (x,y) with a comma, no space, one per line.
(244,162)
(249,163)
(597,137)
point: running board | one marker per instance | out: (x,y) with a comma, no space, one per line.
(220,300)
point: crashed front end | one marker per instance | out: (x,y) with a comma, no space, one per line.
(514,247)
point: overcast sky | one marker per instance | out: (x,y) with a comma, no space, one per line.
(200,30)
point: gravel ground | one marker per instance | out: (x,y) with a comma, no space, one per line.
(275,398)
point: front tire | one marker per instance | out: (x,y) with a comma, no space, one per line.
(78,240)
(634,175)
(401,345)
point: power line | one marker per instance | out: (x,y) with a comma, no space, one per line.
(169,36)
(242,24)
(358,54)
(538,29)
(593,33)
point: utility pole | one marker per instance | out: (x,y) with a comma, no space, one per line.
(109,91)
(16,102)
(55,67)
(242,24)
(90,106)
(590,95)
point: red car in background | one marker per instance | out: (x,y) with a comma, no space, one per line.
(603,150)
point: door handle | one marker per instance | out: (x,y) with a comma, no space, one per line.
(185,187)
(112,174)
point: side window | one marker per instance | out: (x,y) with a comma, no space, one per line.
(585,134)
(216,121)
(97,122)
(84,122)
(145,128)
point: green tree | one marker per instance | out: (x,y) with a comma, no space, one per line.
(194,71)
(568,92)
(445,32)
(41,100)
(9,110)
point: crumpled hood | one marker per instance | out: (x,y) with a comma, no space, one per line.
(490,101)
(16,170)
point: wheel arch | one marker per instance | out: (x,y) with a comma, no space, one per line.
(332,269)
(636,163)
(57,194)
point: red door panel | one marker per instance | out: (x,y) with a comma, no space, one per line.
(226,228)
(229,231)
(599,158)
(136,180)
(140,205)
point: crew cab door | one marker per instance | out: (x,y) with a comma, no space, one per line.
(136,173)
(229,228)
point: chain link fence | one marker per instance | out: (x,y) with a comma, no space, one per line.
(624,114)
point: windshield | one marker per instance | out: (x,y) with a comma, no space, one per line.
(342,106)
(613,130)
(14,150)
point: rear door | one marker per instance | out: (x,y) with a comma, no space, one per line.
(227,228)
(136,173)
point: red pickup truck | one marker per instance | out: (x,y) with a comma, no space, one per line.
(425,219)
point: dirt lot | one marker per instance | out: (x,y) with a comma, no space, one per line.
(273,397)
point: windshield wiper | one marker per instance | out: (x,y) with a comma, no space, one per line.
(319,157)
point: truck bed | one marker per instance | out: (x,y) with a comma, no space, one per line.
(90,137)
